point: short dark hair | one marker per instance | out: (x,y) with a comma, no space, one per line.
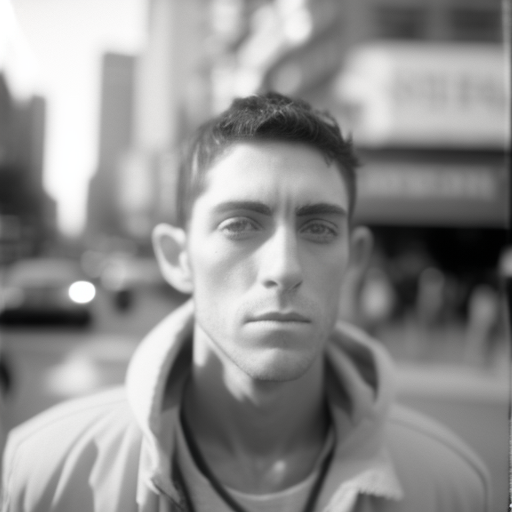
(270,116)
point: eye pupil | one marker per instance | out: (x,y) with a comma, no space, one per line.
(239,225)
(237,228)
(319,232)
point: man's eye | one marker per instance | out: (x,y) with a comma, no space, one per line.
(320,232)
(238,227)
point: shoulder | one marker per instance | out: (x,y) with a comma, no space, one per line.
(432,461)
(67,423)
(68,450)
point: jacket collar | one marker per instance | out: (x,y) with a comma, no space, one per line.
(359,387)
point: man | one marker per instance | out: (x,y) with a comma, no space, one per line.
(251,397)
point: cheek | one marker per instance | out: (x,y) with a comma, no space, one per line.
(330,266)
(216,271)
(328,277)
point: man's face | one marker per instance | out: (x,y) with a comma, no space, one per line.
(268,244)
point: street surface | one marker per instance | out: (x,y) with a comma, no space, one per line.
(51,364)
(54,364)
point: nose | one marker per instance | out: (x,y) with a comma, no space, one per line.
(280,265)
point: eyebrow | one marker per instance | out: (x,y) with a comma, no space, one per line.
(320,209)
(301,211)
(254,206)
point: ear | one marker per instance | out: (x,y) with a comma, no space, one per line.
(361,246)
(169,244)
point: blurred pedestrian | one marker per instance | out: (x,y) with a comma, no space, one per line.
(251,396)
(377,300)
(484,308)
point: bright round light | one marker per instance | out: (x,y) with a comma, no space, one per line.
(82,292)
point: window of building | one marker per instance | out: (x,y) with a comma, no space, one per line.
(475,24)
(400,22)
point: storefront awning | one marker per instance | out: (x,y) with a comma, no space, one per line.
(433,195)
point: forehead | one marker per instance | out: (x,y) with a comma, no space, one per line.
(275,173)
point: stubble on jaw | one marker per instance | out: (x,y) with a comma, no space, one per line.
(276,366)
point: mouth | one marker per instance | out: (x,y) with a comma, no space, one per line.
(276,316)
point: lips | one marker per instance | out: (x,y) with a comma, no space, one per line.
(276,316)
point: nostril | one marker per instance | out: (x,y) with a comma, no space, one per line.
(285,286)
(287,276)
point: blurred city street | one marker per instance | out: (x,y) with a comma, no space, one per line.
(50,364)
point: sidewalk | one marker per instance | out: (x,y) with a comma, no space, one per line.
(454,381)
(473,402)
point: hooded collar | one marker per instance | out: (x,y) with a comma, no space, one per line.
(359,388)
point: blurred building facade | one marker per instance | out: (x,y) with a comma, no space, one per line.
(115,139)
(27,213)
(150,103)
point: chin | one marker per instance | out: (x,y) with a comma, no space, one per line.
(281,367)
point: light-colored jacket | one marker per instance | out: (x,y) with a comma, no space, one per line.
(112,452)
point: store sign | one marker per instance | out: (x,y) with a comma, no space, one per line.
(427,95)
(429,182)
(433,194)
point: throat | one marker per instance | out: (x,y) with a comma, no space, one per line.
(267,482)
(263,458)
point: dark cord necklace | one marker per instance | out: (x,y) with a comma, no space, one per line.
(220,489)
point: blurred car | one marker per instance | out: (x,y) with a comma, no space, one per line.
(122,275)
(45,290)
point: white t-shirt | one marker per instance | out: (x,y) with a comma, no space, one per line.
(206,499)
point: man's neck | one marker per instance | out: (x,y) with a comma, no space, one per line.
(257,436)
